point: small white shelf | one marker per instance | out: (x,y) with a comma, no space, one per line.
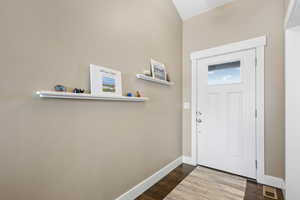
(148,78)
(68,95)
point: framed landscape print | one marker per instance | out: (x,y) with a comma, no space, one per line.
(158,70)
(105,81)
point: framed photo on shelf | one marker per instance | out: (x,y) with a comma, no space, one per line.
(158,70)
(105,81)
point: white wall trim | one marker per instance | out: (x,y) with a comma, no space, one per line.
(284,192)
(260,119)
(274,182)
(257,44)
(230,48)
(150,181)
(193,112)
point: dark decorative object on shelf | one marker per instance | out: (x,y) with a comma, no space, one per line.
(76,90)
(60,88)
(168,77)
(129,94)
(138,94)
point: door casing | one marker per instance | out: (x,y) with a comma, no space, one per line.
(259,45)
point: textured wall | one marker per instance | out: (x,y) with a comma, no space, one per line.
(85,150)
(237,21)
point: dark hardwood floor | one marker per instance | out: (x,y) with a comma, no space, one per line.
(161,189)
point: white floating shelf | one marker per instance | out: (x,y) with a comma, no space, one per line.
(148,78)
(68,95)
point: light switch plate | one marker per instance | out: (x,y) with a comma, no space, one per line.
(186,105)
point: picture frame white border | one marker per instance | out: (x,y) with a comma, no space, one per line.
(93,78)
(154,62)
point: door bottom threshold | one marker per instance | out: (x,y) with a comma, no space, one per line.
(248,178)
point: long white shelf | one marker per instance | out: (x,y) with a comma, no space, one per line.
(148,78)
(68,95)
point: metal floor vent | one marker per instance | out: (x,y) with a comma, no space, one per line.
(270,192)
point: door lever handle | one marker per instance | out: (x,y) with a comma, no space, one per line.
(198,113)
(199,120)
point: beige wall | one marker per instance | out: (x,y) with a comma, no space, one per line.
(85,150)
(237,21)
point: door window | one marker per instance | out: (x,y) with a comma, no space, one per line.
(226,73)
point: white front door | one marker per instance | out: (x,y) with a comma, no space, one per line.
(226,113)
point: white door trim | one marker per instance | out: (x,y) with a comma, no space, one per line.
(230,48)
(259,45)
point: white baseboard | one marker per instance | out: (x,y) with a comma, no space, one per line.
(284,193)
(274,182)
(150,181)
(188,160)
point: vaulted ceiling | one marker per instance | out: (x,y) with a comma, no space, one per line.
(190,8)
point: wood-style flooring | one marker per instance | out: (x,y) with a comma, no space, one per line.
(161,189)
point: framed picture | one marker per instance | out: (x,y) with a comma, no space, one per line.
(105,81)
(158,70)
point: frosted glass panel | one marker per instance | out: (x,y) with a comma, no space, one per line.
(226,73)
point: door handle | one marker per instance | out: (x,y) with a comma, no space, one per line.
(199,121)
(198,113)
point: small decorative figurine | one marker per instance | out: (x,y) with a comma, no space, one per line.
(138,94)
(168,77)
(76,90)
(129,94)
(60,88)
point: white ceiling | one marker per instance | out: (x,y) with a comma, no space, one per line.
(190,8)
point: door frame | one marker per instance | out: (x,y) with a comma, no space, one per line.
(258,44)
